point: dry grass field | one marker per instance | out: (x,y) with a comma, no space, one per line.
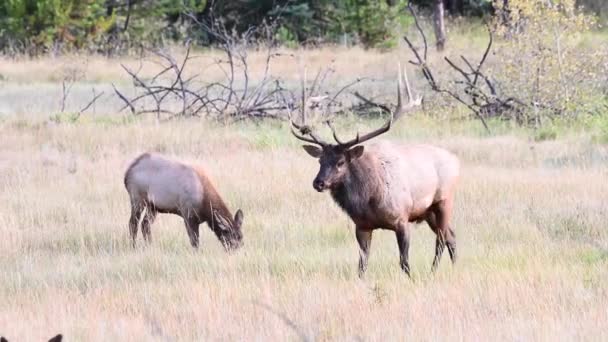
(531,223)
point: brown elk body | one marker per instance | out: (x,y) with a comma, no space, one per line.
(387,186)
(159,185)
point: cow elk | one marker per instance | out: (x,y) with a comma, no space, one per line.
(387,185)
(158,185)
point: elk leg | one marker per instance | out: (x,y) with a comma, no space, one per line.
(136,211)
(431,219)
(192,225)
(451,242)
(445,233)
(439,247)
(364,238)
(147,222)
(403,240)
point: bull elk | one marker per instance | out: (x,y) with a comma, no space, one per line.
(387,185)
(158,185)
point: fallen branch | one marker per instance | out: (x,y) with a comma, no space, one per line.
(83,109)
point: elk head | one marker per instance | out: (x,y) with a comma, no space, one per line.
(335,159)
(229,231)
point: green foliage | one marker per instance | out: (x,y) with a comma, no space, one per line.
(460,7)
(372,21)
(599,123)
(40,25)
(110,26)
(151,22)
(298,21)
(599,7)
(545,61)
(286,37)
(43,24)
(545,133)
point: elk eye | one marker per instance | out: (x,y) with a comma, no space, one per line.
(341,163)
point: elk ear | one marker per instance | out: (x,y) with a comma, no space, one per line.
(355,152)
(314,151)
(238,218)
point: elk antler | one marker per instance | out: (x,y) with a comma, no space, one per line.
(304,129)
(411,101)
(386,127)
(363,138)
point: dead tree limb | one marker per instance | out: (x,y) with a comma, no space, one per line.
(481,98)
(125,100)
(371,103)
(89,104)
(171,92)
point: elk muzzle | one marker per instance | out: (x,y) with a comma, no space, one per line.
(231,246)
(319,185)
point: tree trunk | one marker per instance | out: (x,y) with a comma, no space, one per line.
(110,7)
(458,7)
(438,24)
(129,7)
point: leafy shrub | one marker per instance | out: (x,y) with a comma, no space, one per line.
(548,132)
(285,37)
(38,26)
(44,24)
(543,58)
(373,22)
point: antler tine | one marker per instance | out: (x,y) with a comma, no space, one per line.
(333,131)
(304,129)
(401,79)
(295,125)
(387,126)
(412,101)
(303,86)
(361,139)
(311,134)
(303,138)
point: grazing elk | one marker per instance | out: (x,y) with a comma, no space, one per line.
(387,185)
(159,185)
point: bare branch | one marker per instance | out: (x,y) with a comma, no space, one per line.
(371,103)
(93,100)
(426,71)
(485,54)
(124,99)
(420,30)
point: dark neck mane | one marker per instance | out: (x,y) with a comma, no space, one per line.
(360,188)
